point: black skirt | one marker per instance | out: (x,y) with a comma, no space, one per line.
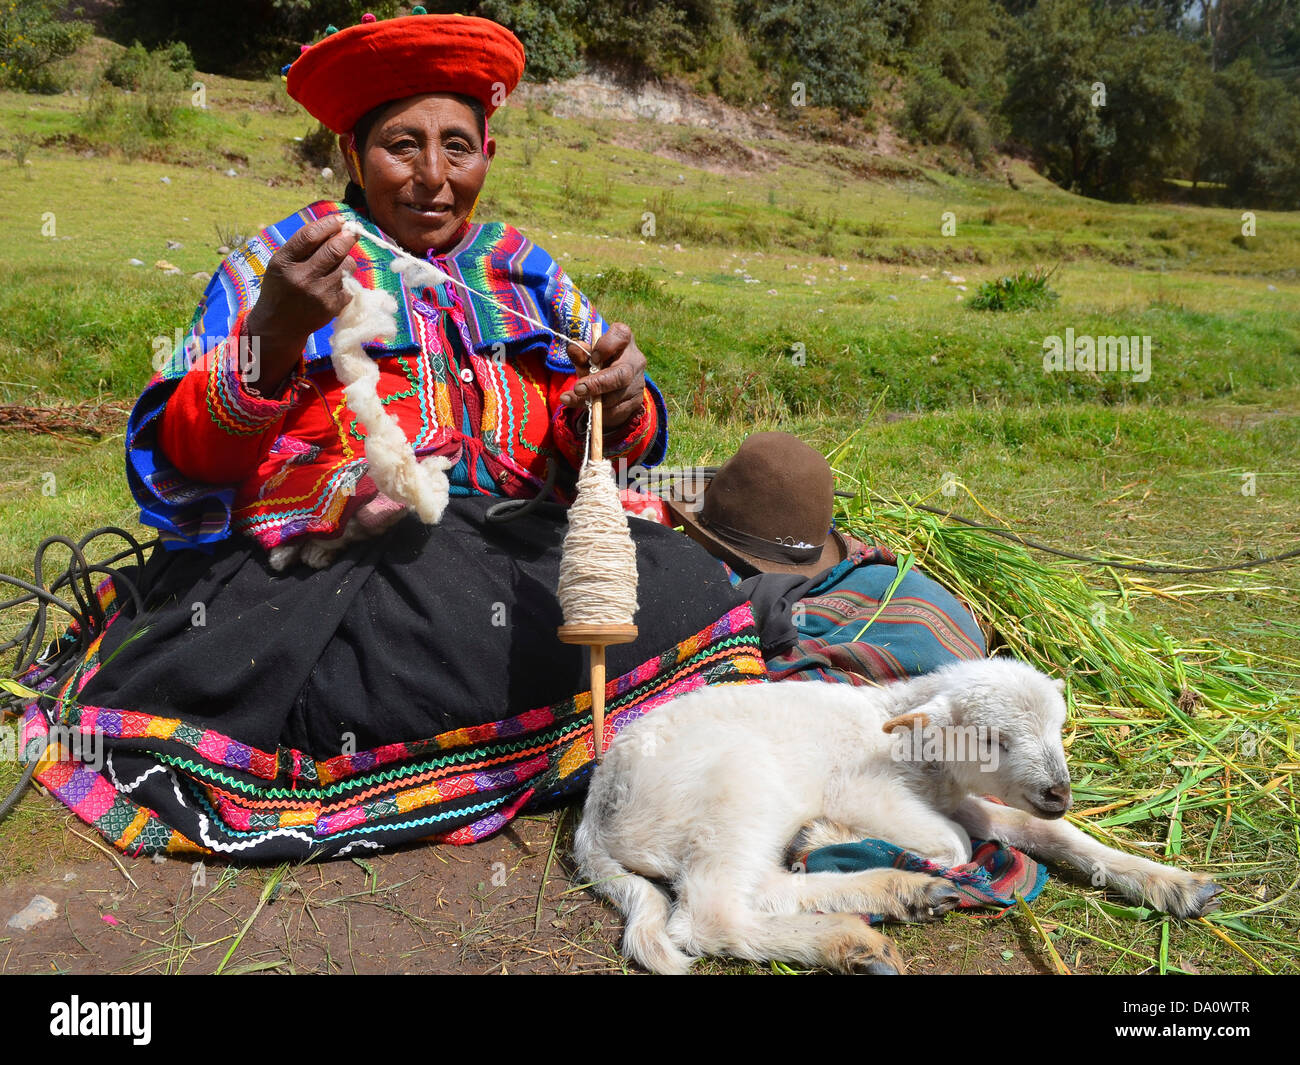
(425,656)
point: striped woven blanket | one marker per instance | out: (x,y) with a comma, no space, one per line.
(994,876)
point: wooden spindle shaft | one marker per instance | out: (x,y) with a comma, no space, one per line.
(598,699)
(597,418)
(597,636)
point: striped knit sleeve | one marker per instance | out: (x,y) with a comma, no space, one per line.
(629,442)
(214,428)
(634,439)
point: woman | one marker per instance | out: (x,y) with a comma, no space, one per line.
(415,687)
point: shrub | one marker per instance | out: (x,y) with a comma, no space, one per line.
(238,36)
(22,146)
(826,45)
(1024,291)
(635,284)
(935,111)
(546,32)
(151,112)
(319,148)
(730,70)
(32,38)
(659,37)
(130,68)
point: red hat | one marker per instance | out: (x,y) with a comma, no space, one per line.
(355,70)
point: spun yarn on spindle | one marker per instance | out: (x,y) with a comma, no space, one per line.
(598,580)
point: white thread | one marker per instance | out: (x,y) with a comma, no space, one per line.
(419,273)
(422,485)
(598,576)
(598,571)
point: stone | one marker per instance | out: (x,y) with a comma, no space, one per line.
(38,910)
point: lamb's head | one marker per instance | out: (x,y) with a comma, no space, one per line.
(995,724)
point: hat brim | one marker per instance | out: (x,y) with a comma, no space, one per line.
(683,506)
(350,73)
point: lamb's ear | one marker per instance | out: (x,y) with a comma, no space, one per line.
(1059,684)
(906,721)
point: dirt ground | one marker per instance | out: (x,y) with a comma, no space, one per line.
(510,904)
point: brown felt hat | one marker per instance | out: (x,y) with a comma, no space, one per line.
(768,508)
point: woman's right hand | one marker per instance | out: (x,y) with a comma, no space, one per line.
(301,292)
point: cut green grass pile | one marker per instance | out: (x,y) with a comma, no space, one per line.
(1181,750)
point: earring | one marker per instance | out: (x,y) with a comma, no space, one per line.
(355,159)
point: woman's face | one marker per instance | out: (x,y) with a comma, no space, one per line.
(423,165)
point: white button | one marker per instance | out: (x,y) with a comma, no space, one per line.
(467,375)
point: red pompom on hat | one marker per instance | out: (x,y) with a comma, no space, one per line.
(351,72)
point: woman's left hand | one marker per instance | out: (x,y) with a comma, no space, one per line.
(620,381)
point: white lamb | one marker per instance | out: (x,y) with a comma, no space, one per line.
(705,795)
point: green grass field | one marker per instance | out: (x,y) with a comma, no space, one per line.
(809,288)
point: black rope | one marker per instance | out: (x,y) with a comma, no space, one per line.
(1132,566)
(77,578)
(1135,567)
(11,800)
(35,663)
(511,509)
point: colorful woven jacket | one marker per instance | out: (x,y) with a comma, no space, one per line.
(463,378)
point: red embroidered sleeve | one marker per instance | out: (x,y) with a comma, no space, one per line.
(628,442)
(214,428)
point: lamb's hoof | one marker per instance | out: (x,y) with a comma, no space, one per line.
(1202,899)
(1179,893)
(284,556)
(917,897)
(868,962)
(318,555)
(939,898)
(879,958)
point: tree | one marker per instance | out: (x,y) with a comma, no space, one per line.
(829,46)
(956,51)
(1053,60)
(1153,107)
(1249,138)
(1108,102)
(239,36)
(546,32)
(653,35)
(1264,31)
(965,40)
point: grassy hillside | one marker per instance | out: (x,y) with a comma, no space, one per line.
(811,288)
